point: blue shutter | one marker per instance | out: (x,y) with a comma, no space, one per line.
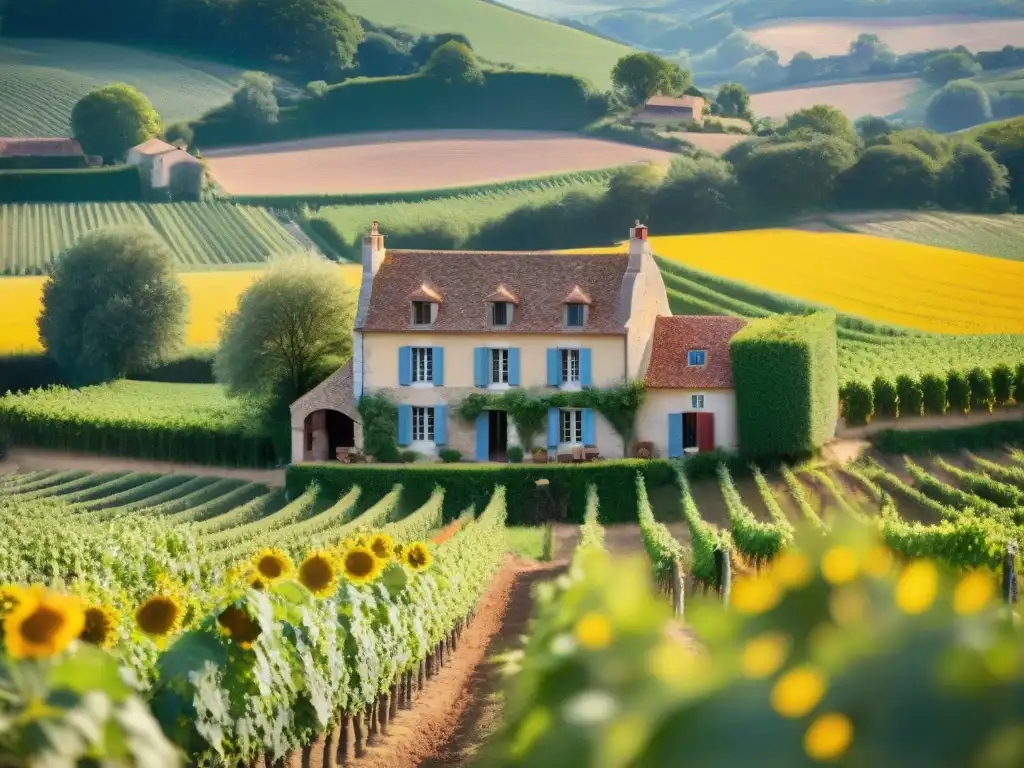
(585,367)
(675,435)
(405,366)
(552,427)
(554,368)
(480,366)
(438,366)
(441,424)
(513,366)
(588,427)
(404,424)
(483,437)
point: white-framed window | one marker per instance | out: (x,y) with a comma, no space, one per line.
(501,314)
(422,425)
(499,366)
(696,358)
(696,401)
(575,315)
(570,366)
(423,313)
(422,365)
(570,423)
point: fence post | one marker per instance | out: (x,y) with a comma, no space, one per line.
(723,572)
(1010,594)
(676,586)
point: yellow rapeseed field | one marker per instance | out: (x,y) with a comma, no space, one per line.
(211,295)
(906,284)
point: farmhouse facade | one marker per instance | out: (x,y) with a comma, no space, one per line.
(433,327)
(664,110)
(167,169)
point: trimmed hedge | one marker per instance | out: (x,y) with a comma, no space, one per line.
(504,100)
(473,484)
(786,370)
(71,185)
(858,403)
(41,162)
(36,370)
(910,395)
(926,441)
(885,397)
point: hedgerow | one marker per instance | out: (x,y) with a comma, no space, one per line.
(756,540)
(1004,495)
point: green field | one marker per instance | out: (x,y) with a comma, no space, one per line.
(193,423)
(502,35)
(40,81)
(199,234)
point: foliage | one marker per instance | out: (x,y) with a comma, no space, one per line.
(111,120)
(910,394)
(786,373)
(113,304)
(858,403)
(974,438)
(973,180)
(662,549)
(454,63)
(958,392)
(796,490)
(704,539)
(953,65)
(1003,385)
(958,105)
(822,119)
(754,539)
(292,326)
(515,454)
(897,176)
(71,185)
(380,427)
(982,393)
(935,393)
(450,455)
(733,100)
(1007,496)
(886,398)
(179,132)
(639,76)
(255,101)
(871,128)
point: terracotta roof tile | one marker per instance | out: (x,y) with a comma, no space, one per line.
(681,102)
(425,292)
(501,293)
(674,337)
(17,147)
(465,279)
(153,147)
(577,296)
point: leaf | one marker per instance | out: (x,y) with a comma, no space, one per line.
(395,579)
(89,669)
(190,653)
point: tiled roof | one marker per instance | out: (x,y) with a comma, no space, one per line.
(674,337)
(17,147)
(682,102)
(425,293)
(501,293)
(577,296)
(466,280)
(153,147)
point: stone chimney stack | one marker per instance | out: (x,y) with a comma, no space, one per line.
(373,252)
(638,245)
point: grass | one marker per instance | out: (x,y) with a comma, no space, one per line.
(502,35)
(530,542)
(212,294)
(211,234)
(41,79)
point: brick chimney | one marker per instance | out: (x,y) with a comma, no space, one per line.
(373,252)
(638,245)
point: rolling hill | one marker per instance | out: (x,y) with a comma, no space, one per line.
(501,34)
(40,81)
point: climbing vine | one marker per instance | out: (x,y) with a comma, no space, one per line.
(528,410)
(380,427)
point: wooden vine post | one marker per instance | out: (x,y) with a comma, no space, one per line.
(1010,591)
(677,583)
(723,572)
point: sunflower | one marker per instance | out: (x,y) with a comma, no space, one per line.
(160,616)
(272,565)
(236,624)
(361,565)
(382,546)
(318,574)
(100,626)
(257,582)
(42,624)
(10,597)
(417,556)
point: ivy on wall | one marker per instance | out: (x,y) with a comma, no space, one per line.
(528,410)
(380,427)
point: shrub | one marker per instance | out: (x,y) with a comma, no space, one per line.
(787,384)
(982,393)
(1018,385)
(515,454)
(179,132)
(958,392)
(71,185)
(380,425)
(910,395)
(858,403)
(960,104)
(934,392)
(408,456)
(886,401)
(1002,384)
(450,455)
(992,434)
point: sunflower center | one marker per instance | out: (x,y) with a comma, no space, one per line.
(96,629)
(359,564)
(271,567)
(158,615)
(42,625)
(239,625)
(316,574)
(417,558)
(380,549)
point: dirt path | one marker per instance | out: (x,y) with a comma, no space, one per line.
(31,460)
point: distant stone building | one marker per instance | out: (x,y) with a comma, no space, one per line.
(667,110)
(167,170)
(18,152)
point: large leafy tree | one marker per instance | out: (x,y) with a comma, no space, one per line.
(112,306)
(639,76)
(972,180)
(896,176)
(109,121)
(454,62)
(733,100)
(821,119)
(255,100)
(960,104)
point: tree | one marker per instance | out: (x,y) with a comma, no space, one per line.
(972,180)
(112,306)
(935,145)
(869,53)
(631,190)
(802,67)
(960,104)
(291,327)
(639,76)
(454,62)
(953,65)
(179,133)
(822,119)
(382,56)
(897,176)
(425,45)
(698,194)
(871,128)
(1006,143)
(733,100)
(109,121)
(255,100)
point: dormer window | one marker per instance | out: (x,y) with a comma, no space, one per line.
(575,315)
(696,358)
(501,314)
(423,312)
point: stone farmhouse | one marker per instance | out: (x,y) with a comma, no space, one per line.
(433,327)
(666,110)
(167,169)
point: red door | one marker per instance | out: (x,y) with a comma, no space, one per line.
(705,432)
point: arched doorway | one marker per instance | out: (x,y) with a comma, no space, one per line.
(324,432)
